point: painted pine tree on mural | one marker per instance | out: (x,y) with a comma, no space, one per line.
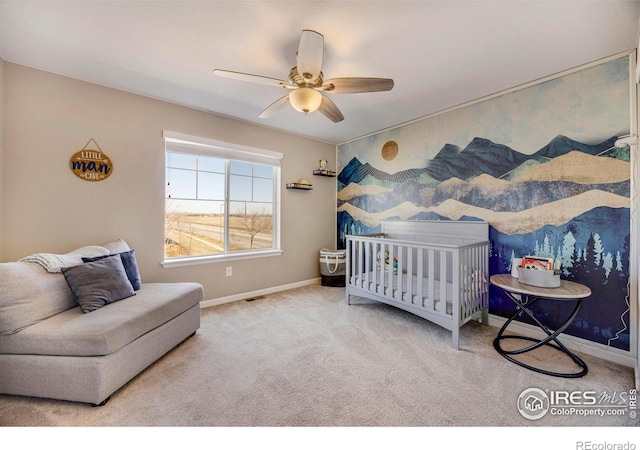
(593,266)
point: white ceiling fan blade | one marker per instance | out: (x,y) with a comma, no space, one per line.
(252,78)
(356,85)
(310,53)
(275,107)
(330,110)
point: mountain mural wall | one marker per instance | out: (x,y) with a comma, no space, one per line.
(568,199)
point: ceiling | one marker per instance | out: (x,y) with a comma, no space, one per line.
(439,53)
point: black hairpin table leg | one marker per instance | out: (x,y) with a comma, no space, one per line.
(524,296)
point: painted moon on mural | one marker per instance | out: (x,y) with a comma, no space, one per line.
(390,150)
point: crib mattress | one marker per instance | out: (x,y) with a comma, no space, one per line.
(381,287)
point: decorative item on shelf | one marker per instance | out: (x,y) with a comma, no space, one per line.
(328,173)
(301,184)
(323,171)
(91,165)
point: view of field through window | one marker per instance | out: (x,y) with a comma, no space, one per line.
(196,218)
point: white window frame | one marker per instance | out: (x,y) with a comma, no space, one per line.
(198,145)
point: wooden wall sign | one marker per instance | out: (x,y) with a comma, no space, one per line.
(91,165)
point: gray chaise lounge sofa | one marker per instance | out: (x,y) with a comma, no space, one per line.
(50,348)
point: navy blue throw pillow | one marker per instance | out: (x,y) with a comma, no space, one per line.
(130,266)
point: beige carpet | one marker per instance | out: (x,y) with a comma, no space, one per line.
(305,358)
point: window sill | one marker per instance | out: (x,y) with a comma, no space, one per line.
(197,260)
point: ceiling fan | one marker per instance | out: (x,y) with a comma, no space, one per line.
(306,83)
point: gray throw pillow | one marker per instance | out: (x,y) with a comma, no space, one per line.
(98,283)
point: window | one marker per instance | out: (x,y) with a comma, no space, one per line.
(221,201)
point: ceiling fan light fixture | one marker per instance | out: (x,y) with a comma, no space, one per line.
(305,99)
(306,82)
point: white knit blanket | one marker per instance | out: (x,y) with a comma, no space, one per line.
(55,262)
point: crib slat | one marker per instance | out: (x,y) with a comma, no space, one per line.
(467,285)
(472,291)
(442,284)
(378,274)
(456,287)
(431,279)
(389,269)
(361,261)
(399,273)
(367,264)
(375,270)
(410,274)
(356,262)
(349,269)
(419,276)
(461,280)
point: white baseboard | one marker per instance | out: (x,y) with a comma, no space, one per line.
(247,295)
(571,342)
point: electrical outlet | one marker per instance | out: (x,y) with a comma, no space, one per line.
(229,271)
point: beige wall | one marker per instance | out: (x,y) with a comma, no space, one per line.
(2,64)
(48,209)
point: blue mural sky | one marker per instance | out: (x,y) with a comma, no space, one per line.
(520,120)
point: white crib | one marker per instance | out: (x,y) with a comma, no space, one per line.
(438,270)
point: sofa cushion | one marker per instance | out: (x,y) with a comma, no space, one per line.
(130,266)
(117,246)
(107,329)
(98,283)
(29,294)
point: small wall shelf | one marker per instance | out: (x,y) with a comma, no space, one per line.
(324,173)
(300,186)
